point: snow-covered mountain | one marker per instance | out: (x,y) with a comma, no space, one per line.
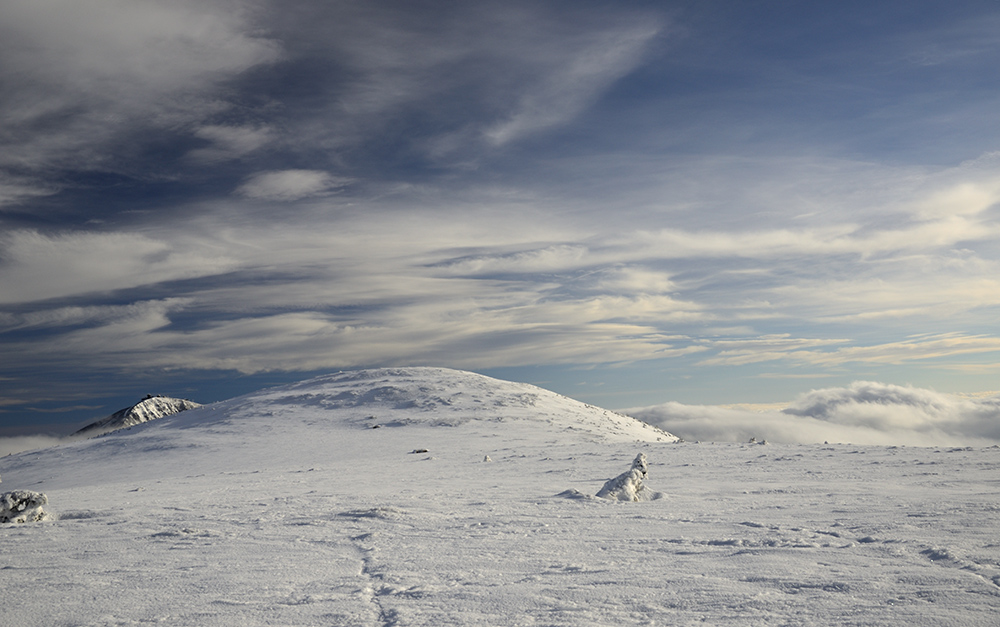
(441,397)
(423,496)
(149,408)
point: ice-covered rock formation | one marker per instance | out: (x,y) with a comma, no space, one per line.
(149,408)
(630,486)
(22,506)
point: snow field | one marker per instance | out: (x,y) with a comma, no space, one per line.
(273,511)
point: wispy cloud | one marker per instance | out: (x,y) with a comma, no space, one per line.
(576,75)
(354,281)
(797,350)
(76,316)
(288,185)
(87,74)
(39,267)
(14,189)
(229,142)
(460,80)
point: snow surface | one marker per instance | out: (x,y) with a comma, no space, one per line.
(289,507)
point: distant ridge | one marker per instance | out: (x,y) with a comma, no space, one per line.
(415,397)
(149,408)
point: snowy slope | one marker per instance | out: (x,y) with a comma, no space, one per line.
(443,397)
(149,408)
(288,507)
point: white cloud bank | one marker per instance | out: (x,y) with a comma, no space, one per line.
(17,444)
(863,413)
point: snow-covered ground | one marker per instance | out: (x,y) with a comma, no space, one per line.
(434,497)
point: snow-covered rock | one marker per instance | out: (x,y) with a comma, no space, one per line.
(149,408)
(21,506)
(630,485)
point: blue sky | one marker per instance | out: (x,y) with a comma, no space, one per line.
(630,203)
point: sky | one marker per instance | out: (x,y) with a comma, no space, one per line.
(630,203)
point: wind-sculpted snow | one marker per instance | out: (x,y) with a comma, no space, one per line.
(630,486)
(467,507)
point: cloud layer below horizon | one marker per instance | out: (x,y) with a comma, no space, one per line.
(865,412)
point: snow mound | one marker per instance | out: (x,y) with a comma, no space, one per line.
(21,506)
(149,408)
(630,486)
(393,397)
